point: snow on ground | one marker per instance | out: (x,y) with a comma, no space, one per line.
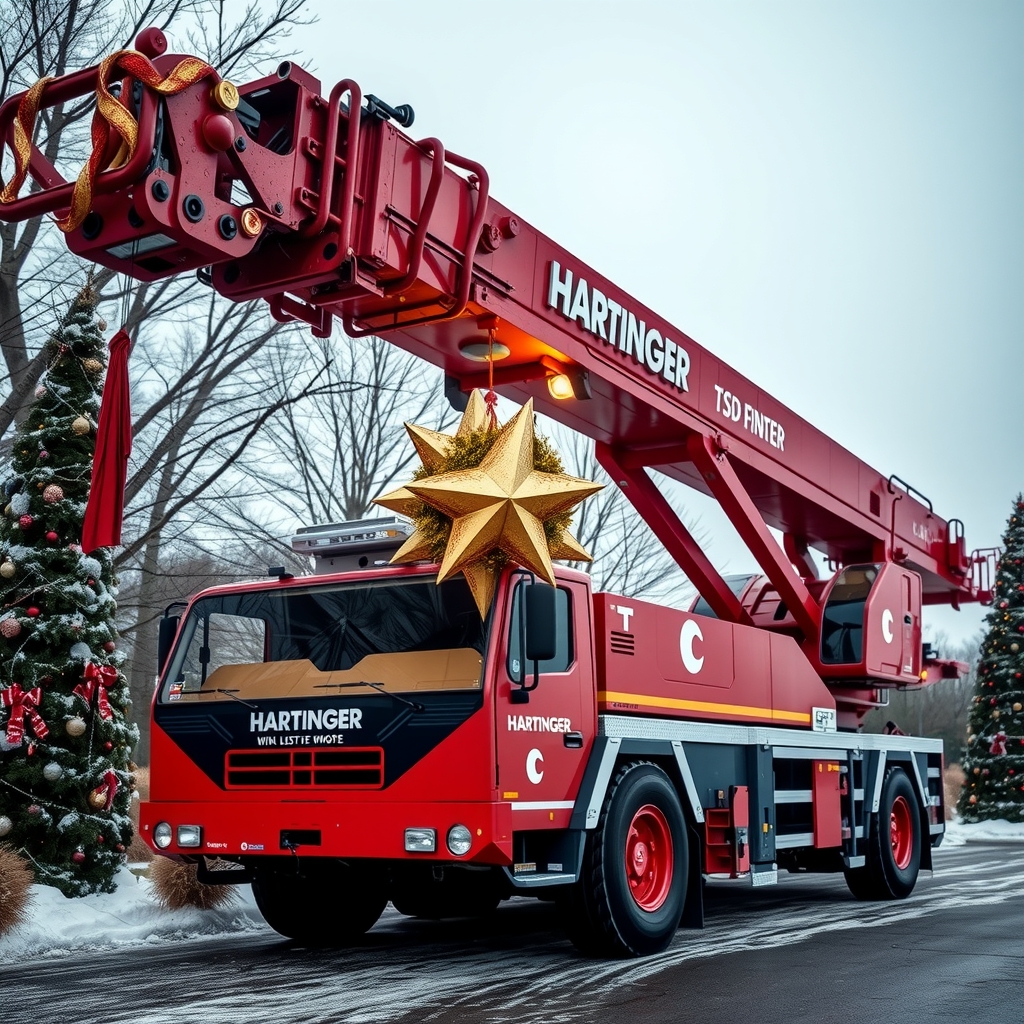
(56,926)
(960,832)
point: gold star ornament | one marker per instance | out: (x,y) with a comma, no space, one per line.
(475,515)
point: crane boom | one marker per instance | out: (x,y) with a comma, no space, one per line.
(288,196)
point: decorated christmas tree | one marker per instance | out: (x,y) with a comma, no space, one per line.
(994,764)
(64,737)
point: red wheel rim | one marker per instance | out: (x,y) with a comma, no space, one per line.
(901,832)
(649,858)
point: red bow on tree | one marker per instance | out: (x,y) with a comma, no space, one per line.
(97,679)
(23,704)
(998,746)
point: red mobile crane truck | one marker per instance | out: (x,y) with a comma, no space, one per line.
(361,735)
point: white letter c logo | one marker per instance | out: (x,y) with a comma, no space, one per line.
(689,633)
(533,773)
(887,625)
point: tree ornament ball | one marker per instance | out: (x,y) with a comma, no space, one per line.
(995,714)
(92,365)
(1014,648)
(80,426)
(1003,604)
(98,798)
(101,324)
(110,647)
(10,628)
(108,745)
(1018,706)
(973,799)
(53,493)
(52,772)
(44,455)
(25,522)
(120,847)
(34,809)
(78,856)
(977,771)
(75,726)
(100,839)
(52,536)
(33,612)
(40,391)
(5,825)
(7,570)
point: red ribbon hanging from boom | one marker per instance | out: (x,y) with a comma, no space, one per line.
(105,510)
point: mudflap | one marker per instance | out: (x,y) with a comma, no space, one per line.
(693,908)
(220,871)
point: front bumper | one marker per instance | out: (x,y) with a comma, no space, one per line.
(371,831)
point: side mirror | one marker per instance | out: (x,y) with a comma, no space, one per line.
(541,635)
(168,631)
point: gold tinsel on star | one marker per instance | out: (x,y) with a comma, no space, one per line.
(486,497)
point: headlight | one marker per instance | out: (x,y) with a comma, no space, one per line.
(420,840)
(190,835)
(459,840)
(162,835)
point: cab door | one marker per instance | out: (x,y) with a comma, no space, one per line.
(542,744)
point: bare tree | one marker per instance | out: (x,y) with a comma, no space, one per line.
(38,38)
(199,396)
(326,458)
(628,557)
(940,709)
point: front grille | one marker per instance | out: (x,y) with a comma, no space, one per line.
(352,767)
(622,643)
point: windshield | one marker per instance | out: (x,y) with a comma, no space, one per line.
(393,635)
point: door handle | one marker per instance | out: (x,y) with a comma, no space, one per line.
(573,739)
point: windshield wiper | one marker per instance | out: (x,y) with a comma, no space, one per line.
(379,687)
(231,694)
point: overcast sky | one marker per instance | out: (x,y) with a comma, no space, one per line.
(826,195)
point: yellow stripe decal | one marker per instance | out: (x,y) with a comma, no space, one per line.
(608,696)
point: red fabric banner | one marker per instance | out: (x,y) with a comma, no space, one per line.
(105,509)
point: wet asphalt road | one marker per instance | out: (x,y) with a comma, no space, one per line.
(799,952)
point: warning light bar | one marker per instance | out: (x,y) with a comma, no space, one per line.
(360,537)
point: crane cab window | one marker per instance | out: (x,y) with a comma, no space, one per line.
(842,623)
(563,636)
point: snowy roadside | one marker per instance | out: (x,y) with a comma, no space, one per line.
(960,832)
(57,927)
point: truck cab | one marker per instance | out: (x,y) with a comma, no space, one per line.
(366,714)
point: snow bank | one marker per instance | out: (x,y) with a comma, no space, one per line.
(960,832)
(56,926)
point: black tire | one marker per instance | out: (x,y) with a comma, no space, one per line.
(611,912)
(320,902)
(893,851)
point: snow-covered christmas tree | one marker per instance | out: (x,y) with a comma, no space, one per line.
(64,736)
(994,764)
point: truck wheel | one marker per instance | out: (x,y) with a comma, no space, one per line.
(893,853)
(327,904)
(629,899)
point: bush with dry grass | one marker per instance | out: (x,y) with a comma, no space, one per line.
(15,878)
(953,779)
(177,887)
